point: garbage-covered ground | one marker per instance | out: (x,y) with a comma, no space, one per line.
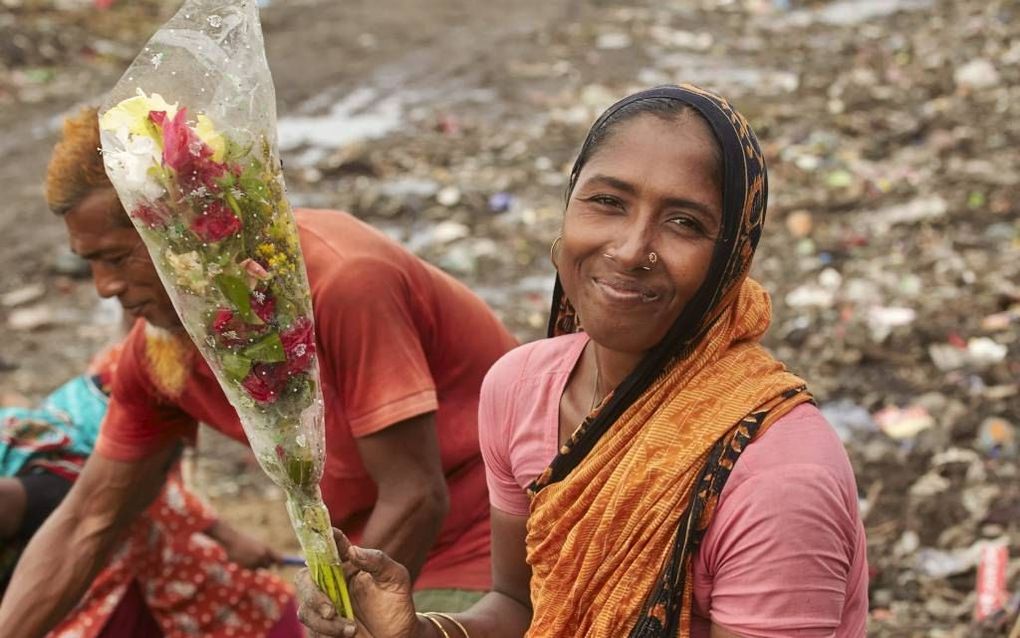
(892,252)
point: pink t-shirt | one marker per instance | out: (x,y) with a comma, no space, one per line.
(785,554)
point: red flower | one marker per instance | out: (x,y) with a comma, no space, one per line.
(152,215)
(299,345)
(157,117)
(265,382)
(216,223)
(263,305)
(221,323)
(230,329)
(186,153)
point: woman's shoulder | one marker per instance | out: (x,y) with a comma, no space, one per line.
(802,435)
(537,360)
(800,445)
(795,474)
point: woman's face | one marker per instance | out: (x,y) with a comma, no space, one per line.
(653,186)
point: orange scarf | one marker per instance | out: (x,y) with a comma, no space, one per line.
(599,539)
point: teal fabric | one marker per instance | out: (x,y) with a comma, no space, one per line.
(66,424)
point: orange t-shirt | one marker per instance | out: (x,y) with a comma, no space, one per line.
(396,338)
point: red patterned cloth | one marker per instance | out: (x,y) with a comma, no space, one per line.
(168,573)
(188,584)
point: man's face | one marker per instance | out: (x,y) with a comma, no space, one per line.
(101,233)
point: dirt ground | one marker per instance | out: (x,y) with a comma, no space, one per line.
(892,250)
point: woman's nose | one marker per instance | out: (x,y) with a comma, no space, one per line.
(634,245)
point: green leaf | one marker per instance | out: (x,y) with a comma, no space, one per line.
(234,207)
(237,150)
(254,187)
(286,312)
(236,366)
(237,293)
(269,350)
(300,471)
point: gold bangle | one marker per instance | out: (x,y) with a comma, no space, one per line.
(439,625)
(454,621)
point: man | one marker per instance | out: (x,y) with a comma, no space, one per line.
(402,348)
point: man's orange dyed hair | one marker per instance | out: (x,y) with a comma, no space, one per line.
(76,166)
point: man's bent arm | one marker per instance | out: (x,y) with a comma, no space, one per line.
(403,460)
(68,551)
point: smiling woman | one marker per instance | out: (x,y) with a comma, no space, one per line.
(657,324)
(653,471)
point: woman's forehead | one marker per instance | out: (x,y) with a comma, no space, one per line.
(651,151)
(679,139)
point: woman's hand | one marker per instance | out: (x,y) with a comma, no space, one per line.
(241,548)
(380,591)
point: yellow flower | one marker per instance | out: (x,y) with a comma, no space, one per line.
(214,140)
(133,113)
(278,262)
(266,250)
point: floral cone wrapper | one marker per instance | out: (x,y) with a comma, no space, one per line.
(189,142)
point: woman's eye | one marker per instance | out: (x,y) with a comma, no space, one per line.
(687,223)
(605,200)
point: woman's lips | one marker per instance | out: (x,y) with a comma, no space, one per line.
(625,291)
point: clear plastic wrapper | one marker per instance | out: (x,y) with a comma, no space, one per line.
(189,142)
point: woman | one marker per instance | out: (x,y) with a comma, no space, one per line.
(702,494)
(179,572)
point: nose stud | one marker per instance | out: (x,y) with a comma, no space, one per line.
(652,260)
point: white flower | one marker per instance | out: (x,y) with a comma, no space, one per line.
(187,270)
(133,113)
(128,159)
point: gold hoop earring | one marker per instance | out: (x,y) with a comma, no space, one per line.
(552,250)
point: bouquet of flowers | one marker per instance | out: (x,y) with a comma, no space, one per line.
(189,142)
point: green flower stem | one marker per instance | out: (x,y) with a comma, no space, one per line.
(233,204)
(310,519)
